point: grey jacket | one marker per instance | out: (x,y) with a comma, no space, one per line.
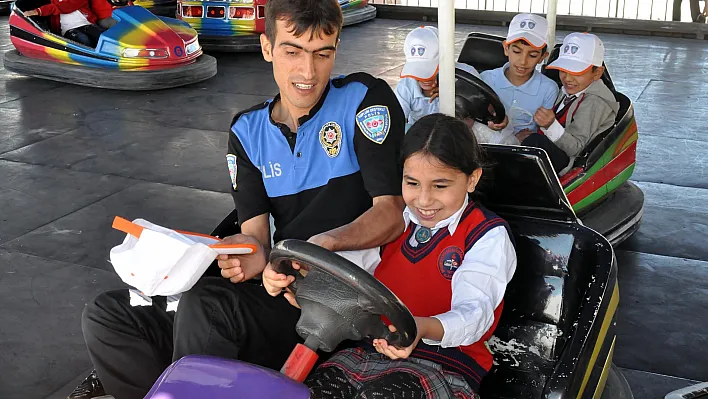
(587,118)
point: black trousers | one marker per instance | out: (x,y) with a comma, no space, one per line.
(130,346)
(559,159)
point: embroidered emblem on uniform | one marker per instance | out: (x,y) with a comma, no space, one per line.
(331,138)
(374,122)
(231,162)
(449,260)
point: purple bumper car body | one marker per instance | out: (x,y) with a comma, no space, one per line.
(215,378)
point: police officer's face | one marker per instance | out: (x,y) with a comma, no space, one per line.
(301,65)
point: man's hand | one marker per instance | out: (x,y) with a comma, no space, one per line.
(31,13)
(323,240)
(523,134)
(238,268)
(544,117)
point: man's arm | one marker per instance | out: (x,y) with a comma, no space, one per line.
(381,224)
(378,153)
(253,209)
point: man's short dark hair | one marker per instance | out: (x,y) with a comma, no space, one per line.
(323,17)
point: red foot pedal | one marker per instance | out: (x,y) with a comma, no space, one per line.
(299,363)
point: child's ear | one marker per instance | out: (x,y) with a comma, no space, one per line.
(506,48)
(597,73)
(473,180)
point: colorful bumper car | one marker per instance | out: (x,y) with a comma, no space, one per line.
(597,185)
(165,8)
(140,52)
(236,25)
(555,338)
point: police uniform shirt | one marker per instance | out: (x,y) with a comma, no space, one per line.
(344,153)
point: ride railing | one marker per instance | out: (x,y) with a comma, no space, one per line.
(658,10)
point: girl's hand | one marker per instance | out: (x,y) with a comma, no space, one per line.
(395,353)
(275,283)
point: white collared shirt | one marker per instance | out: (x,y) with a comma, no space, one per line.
(414,103)
(522,102)
(478,285)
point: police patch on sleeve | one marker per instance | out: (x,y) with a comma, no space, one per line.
(231,162)
(374,122)
(331,138)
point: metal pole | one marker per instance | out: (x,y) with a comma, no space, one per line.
(446,30)
(551,17)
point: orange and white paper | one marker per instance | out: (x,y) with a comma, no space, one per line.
(160,261)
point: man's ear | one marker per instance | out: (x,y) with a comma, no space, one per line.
(266,48)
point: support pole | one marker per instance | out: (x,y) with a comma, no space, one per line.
(551,17)
(446,30)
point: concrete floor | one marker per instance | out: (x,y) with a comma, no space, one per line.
(71,158)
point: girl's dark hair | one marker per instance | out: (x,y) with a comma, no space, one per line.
(318,16)
(448,139)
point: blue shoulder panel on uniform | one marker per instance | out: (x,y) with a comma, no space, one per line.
(324,148)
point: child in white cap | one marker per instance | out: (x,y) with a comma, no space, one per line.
(521,88)
(585,107)
(417,91)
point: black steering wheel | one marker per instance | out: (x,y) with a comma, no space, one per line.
(473,99)
(340,300)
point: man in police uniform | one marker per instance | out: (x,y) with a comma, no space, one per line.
(321,158)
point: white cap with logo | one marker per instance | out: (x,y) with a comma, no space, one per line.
(422,53)
(579,52)
(531,28)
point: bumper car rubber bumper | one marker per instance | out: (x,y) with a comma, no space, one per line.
(618,216)
(201,69)
(358,15)
(245,43)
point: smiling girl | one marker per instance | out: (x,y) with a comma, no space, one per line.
(450,267)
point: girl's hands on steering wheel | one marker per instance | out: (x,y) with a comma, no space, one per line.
(428,327)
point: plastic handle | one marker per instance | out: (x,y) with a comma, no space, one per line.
(299,363)
(128,227)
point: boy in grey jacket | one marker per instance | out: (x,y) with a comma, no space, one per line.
(585,107)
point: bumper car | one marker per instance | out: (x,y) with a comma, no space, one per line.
(140,52)
(236,25)
(555,338)
(597,185)
(165,8)
(6,5)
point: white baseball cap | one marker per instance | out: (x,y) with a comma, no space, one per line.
(531,28)
(422,53)
(579,52)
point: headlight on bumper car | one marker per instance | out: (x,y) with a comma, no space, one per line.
(192,47)
(145,53)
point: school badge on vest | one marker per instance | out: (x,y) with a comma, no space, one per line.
(231,162)
(449,260)
(374,122)
(331,138)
